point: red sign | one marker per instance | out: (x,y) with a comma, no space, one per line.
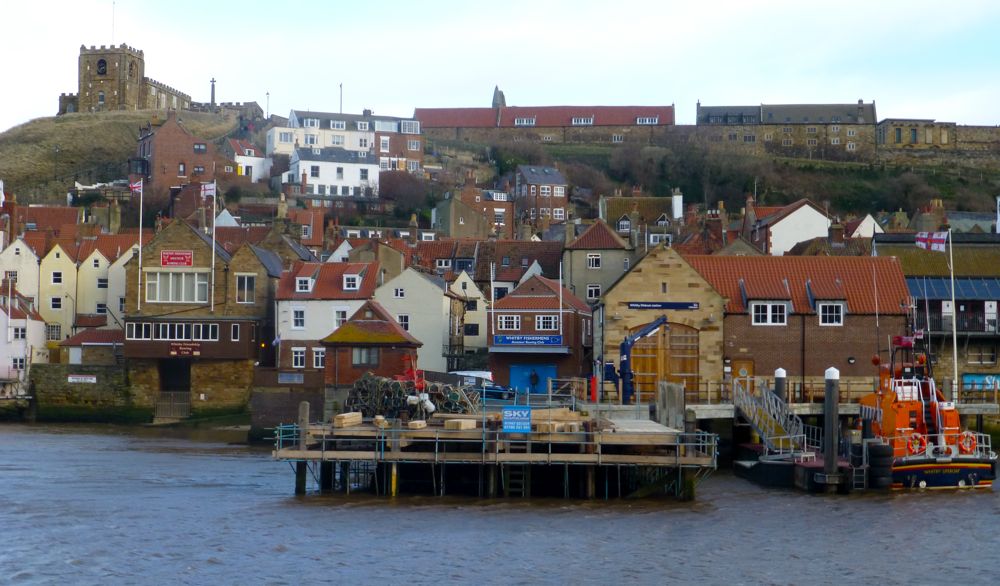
(176,258)
(185,348)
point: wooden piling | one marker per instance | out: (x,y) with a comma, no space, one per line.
(300,477)
(591,482)
(325,477)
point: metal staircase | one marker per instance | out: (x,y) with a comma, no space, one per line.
(782,432)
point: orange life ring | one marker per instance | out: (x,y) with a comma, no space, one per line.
(967,442)
(917,444)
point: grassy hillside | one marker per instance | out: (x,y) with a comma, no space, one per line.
(91,147)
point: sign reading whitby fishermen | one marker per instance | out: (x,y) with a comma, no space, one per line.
(527,340)
(176,258)
(676,305)
(517,419)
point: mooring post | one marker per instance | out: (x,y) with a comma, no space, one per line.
(491,482)
(780,384)
(688,474)
(591,481)
(301,466)
(831,432)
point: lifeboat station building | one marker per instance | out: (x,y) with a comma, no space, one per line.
(195,325)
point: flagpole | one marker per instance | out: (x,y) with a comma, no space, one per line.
(138,291)
(954,319)
(212,293)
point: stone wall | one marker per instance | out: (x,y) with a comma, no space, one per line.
(108,399)
(272,406)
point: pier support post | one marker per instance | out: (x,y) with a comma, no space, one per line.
(300,477)
(591,482)
(393,481)
(325,476)
(831,425)
(345,477)
(491,482)
(781,384)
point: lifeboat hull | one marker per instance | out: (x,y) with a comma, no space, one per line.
(932,473)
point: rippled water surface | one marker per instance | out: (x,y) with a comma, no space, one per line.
(93,506)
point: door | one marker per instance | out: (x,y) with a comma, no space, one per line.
(743,373)
(533,378)
(668,355)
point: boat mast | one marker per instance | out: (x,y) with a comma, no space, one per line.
(954,320)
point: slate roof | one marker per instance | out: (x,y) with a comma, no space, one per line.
(729,114)
(270,260)
(378,330)
(336,155)
(96,337)
(539,175)
(599,236)
(822,246)
(817,113)
(329,280)
(746,278)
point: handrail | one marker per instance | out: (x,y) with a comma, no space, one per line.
(772,419)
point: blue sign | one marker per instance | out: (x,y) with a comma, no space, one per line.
(678,305)
(980,381)
(517,419)
(527,340)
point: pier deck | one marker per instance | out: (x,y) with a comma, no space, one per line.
(592,446)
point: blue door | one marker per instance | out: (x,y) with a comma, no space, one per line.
(522,377)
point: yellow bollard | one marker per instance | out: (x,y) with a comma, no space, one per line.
(392,482)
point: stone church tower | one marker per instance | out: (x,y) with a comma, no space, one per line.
(114,78)
(111,78)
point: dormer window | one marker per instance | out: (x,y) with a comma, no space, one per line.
(830,314)
(525,121)
(303,285)
(362,126)
(338,125)
(662,220)
(769,313)
(443,263)
(351,282)
(624,224)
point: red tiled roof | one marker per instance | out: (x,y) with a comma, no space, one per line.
(541,293)
(67,245)
(549,116)
(90,320)
(456,117)
(314,220)
(45,217)
(232,237)
(38,242)
(545,116)
(111,246)
(599,236)
(829,277)
(380,329)
(95,337)
(329,280)
(241,146)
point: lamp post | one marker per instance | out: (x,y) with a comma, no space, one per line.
(55,164)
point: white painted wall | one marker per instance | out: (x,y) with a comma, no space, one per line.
(19,257)
(866,229)
(328,175)
(117,287)
(320,317)
(428,309)
(464,286)
(803,224)
(58,261)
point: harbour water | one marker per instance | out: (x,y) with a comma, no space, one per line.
(82,505)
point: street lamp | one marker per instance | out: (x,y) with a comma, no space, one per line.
(55,165)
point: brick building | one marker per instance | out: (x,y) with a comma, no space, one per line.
(539,195)
(539,331)
(370,341)
(806,314)
(169,156)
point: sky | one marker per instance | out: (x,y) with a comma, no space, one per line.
(913,58)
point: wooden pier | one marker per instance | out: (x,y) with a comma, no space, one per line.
(565,454)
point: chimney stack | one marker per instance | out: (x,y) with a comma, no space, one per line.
(836,235)
(414,229)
